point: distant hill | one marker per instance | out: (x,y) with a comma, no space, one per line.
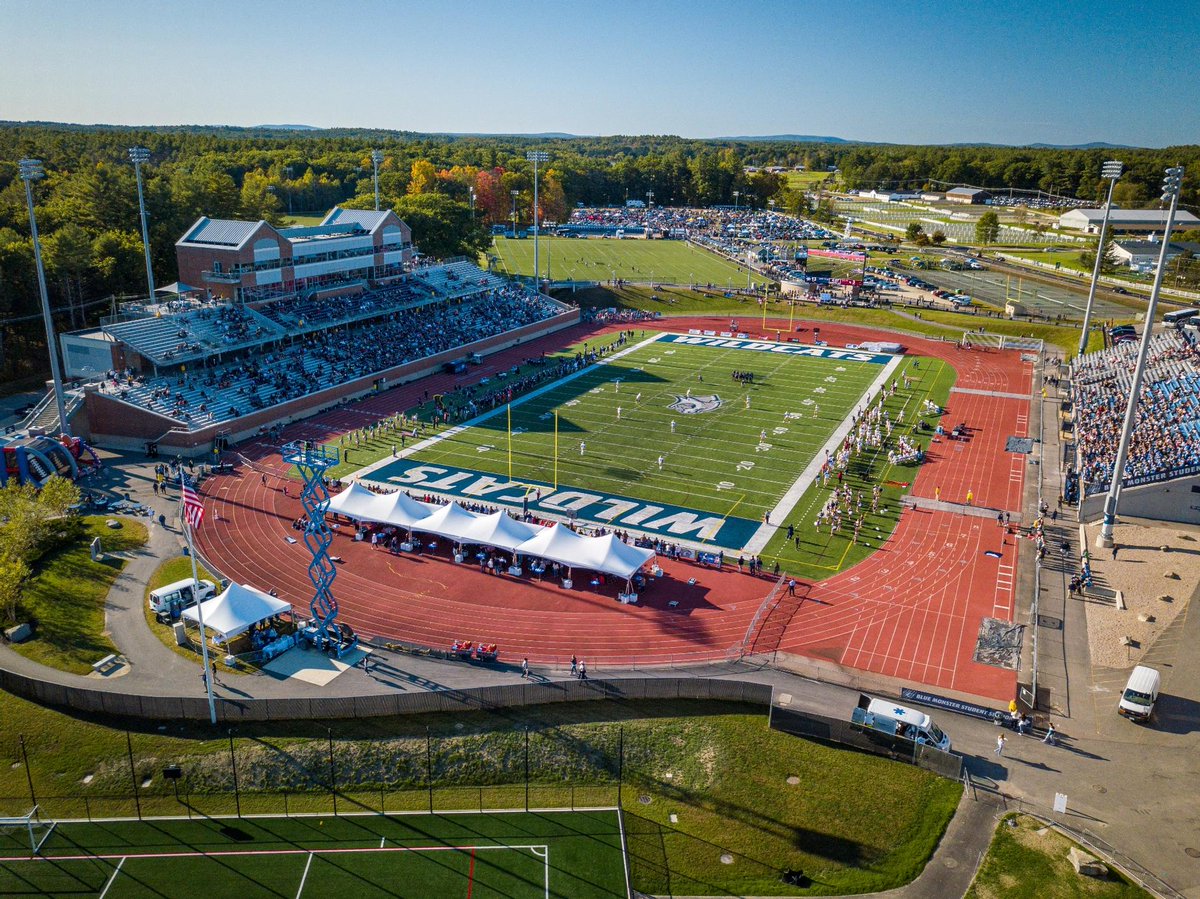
(286,128)
(792,138)
(1094,145)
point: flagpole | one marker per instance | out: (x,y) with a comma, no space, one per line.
(208,675)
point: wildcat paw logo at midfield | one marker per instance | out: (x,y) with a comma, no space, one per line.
(694,405)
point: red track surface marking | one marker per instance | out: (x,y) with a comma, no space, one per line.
(912,610)
(471,874)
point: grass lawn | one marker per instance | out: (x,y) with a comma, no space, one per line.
(303,220)
(1029,861)
(66,595)
(598,259)
(809,180)
(853,823)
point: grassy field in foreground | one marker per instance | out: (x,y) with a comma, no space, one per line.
(66,595)
(599,259)
(1029,861)
(496,855)
(852,823)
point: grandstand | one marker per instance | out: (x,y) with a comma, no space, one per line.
(1162,471)
(304,350)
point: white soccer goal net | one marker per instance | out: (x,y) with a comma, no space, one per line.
(28,830)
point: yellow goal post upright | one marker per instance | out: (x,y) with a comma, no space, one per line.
(30,828)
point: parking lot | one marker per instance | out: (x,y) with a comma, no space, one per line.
(1037,297)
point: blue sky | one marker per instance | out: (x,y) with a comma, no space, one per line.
(1055,72)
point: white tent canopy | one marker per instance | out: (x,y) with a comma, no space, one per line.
(450,520)
(236,610)
(400,509)
(557,543)
(501,530)
(356,501)
(610,555)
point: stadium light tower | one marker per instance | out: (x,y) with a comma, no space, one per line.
(514,193)
(1112,171)
(649,199)
(1170,195)
(138,156)
(536,156)
(736,194)
(31,170)
(376,160)
(472,205)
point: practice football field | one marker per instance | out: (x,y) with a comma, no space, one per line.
(665,440)
(597,259)
(542,854)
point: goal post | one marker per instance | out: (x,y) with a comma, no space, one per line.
(30,829)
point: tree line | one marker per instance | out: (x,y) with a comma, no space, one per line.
(448,188)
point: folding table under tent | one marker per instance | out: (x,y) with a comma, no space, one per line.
(236,610)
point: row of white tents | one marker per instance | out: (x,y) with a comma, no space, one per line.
(556,543)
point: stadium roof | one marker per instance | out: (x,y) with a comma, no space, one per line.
(1137,216)
(367,219)
(220,232)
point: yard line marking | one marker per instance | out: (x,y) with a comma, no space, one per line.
(111,878)
(307,865)
(800,486)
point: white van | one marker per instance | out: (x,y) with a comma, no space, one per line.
(1141,692)
(171,600)
(899,721)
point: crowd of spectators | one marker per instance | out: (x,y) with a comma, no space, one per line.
(319,359)
(720,224)
(1166,437)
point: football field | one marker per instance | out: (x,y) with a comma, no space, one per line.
(598,259)
(542,854)
(669,436)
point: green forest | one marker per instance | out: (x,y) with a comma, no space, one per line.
(448,188)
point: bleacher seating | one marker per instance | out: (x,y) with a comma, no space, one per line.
(195,334)
(457,279)
(395,324)
(1166,436)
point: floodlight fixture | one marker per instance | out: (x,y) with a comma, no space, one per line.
(536,156)
(376,161)
(139,156)
(1112,171)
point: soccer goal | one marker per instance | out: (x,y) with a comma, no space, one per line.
(30,829)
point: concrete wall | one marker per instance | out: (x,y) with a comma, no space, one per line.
(1177,500)
(118,425)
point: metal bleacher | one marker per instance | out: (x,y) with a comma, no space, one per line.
(198,334)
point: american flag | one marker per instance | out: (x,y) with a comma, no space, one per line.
(193,507)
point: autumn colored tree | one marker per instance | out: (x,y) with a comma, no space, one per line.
(423,178)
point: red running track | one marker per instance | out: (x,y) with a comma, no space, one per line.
(912,610)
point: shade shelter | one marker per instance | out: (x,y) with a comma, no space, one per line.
(451,521)
(400,509)
(502,531)
(236,610)
(612,556)
(357,502)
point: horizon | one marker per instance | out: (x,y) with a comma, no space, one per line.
(924,76)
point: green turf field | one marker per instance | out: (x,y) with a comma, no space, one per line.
(731,464)
(598,259)
(543,854)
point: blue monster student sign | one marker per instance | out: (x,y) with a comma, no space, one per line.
(671,523)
